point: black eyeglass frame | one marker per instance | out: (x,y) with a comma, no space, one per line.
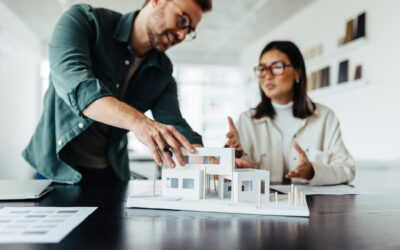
(182,24)
(276,68)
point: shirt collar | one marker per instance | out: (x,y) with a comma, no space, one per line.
(123,33)
(266,118)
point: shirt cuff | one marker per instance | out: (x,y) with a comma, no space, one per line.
(86,93)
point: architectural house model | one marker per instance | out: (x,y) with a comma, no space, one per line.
(210,182)
(193,180)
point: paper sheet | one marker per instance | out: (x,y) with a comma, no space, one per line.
(39,224)
(325,190)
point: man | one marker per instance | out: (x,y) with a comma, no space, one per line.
(107,69)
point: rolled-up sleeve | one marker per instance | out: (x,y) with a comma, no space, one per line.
(71,63)
(166,110)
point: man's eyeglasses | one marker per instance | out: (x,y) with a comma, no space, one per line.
(276,69)
(183,22)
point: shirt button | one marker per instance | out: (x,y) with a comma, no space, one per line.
(117,85)
(80,125)
(294,158)
(127,62)
(60,142)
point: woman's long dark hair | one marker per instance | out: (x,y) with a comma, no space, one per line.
(301,108)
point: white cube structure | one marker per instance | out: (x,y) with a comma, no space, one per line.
(189,181)
(183,183)
(246,183)
(224,164)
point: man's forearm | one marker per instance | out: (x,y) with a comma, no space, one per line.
(156,136)
(111,111)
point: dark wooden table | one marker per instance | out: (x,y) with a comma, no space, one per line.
(345,222)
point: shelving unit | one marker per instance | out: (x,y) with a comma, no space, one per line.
(337,88)
(342,52)
(332,60)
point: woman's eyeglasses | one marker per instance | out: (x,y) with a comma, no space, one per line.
(276,69)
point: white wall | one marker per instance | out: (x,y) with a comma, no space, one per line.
(19,93)
(369,113)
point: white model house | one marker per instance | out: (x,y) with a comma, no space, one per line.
(192,180)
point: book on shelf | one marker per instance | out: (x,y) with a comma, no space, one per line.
(343,71)
(325,77)
(360,26)
(355,28)
(319,79)
(349,31)
(358,72)
(311,81)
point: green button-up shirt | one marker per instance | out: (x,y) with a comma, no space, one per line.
(88,54)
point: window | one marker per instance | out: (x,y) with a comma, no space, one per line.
(172,182)
(188,183)
(211,160)
(247,186)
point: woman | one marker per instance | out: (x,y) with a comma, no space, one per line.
(287,133)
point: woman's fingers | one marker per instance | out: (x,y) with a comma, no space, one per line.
(242,163)
(231,124)
(298,148)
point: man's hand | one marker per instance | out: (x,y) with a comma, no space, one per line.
(160,138)
(233,136)
(305,169)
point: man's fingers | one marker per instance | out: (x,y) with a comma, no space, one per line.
(182,140)
(175,147)
(156,155)
(161,144)
(231,124)
(167,157)
(229,135)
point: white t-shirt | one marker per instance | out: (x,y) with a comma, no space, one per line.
(287,125)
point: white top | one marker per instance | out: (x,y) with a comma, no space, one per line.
(318,135)
(287,125)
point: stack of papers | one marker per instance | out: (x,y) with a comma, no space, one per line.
(39,224)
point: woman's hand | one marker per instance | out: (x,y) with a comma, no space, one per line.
(242,163)
(239,163)
(233,136)
(305,169)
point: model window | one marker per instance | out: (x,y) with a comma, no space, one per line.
(188,183)
(172,182)
(246,186)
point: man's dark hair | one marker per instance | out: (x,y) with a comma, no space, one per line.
(206,5)
(301,107)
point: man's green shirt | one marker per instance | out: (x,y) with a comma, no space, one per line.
(89,55)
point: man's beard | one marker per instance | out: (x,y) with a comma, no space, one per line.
(153,24)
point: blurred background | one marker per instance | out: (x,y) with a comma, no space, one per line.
(352,57)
